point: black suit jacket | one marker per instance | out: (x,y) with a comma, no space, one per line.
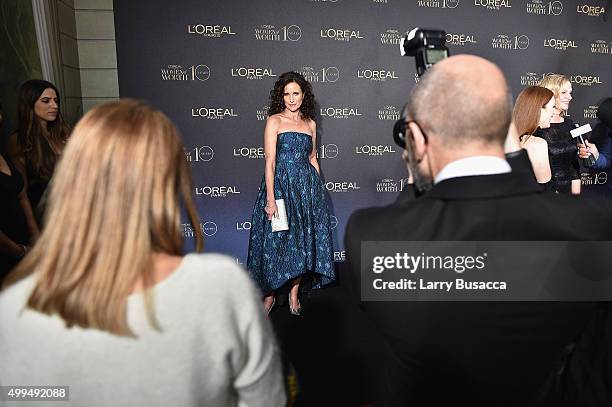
(474,353)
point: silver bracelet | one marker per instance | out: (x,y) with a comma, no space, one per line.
(25,251)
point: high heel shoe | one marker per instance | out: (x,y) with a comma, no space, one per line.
(271,306)
(295,311)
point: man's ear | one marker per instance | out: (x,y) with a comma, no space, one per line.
(420,141)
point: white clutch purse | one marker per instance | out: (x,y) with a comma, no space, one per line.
(279,220)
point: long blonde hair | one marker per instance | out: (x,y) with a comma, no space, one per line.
(115,200)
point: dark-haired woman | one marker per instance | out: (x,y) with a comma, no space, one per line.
(302,254)
(39,141)
(18,229)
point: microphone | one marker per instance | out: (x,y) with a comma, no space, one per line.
(577,132)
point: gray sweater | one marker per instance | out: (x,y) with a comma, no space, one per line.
(216,347)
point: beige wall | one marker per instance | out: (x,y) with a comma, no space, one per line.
(89,58)
(95,27)
(72,99)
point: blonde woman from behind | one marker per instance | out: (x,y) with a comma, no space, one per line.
(105,303)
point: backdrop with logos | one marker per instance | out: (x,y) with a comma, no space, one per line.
(210,65)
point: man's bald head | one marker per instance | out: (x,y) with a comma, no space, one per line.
(462,99)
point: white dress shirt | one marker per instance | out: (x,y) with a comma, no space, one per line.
(477,165)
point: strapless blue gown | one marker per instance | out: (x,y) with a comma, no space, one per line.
(276,257)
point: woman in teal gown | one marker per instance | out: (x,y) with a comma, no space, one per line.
(292,174)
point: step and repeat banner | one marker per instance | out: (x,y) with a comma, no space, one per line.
(210,65)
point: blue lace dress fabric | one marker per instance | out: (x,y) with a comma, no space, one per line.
(306,248)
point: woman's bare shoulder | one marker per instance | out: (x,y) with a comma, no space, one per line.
(13,147)
(312,125)
(273,121)
(535,143)
(276,117)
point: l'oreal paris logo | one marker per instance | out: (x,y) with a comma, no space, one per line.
(558,44)
(591,11)
(249,152)
(376,74)
(213,113)
(493,4)
(339,34)
(345,186)
(371,150)
(460,39)
(215,31)
(585,80)
(252,73)
(340,112)
(217,191)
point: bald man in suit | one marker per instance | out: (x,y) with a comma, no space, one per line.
(470,353)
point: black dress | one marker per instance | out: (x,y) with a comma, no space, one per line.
(13,221)
(37,186)
(562,155)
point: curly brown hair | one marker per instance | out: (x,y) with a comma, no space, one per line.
(277,104)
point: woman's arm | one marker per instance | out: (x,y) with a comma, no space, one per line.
(10,248)
(574,171)
(33,230)
(575,186)
(537,150)
(313,153)
(18,158)
(270,136)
